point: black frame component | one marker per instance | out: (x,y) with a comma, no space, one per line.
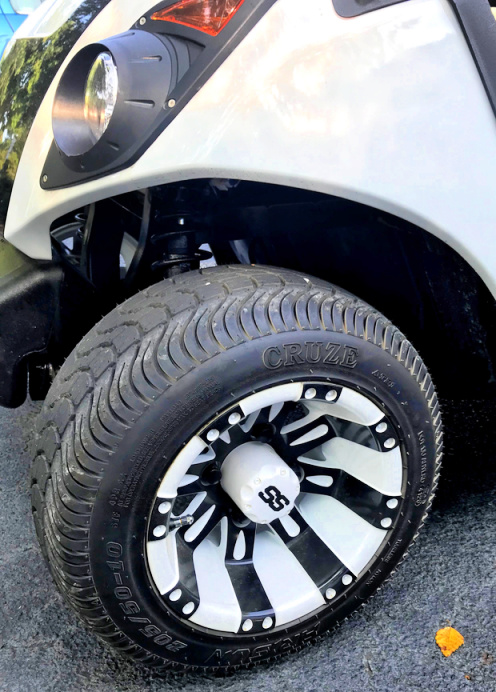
(206,53)
(28,302)
(42,306)
(354,8)
(479,27)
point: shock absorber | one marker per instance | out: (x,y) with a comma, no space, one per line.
(180,252)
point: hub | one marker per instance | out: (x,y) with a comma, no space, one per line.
(261,484)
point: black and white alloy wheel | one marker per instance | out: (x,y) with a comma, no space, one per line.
(275,507)
(230,463)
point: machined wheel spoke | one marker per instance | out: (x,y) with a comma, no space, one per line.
(206,518)
(352,539)
(192,487)
(252,599)
(303,440)
(240,542)
(365,501)
(312,553)
(379,469)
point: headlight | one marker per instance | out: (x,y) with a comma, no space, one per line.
(110,98)
(100,95)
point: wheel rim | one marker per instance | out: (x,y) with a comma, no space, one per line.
(275,508)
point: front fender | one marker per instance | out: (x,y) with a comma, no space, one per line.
(387,109)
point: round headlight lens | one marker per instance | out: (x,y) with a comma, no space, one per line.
(100,95)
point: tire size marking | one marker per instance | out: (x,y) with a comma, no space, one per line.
(233,657)
(130,608)
(423,492)
(311,352)
(384,378)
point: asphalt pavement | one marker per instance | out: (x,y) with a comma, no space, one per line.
(448,579)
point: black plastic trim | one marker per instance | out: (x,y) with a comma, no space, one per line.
(479,27)
(207,52)
(354,8)
(29,293)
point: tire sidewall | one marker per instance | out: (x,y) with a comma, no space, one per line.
(120,513)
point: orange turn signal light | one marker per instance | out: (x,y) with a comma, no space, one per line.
(209,16)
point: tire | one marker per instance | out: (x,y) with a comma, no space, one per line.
(162,370)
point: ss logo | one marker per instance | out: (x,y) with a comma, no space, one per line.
(274,498)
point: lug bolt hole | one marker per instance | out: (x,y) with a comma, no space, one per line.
(263,432)
(211,475)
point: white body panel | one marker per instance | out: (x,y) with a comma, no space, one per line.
(386,109)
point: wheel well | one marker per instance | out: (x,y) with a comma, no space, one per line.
(425,287)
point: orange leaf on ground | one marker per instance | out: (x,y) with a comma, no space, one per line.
(449,640)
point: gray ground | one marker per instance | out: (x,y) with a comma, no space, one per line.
(450,578)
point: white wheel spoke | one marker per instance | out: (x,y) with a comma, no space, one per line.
(163,562)
(269,397)
(290,590)
(240,546)
(187,480)
(352,539)
(382,471)
(311,435)
(249,422)
(350,406)
(219,608)
(275,410)
(225,437)
(321,481)
(193,533)
(186,458)
(290,526)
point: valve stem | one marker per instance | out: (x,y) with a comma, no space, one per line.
(181,521)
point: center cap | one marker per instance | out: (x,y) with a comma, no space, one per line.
(261,484)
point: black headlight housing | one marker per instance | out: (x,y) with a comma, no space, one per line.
(147,69)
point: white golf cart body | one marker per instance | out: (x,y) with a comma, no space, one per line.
(387,108)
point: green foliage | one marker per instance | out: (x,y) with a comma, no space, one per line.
(25,76)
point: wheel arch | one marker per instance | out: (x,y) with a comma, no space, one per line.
(420,282)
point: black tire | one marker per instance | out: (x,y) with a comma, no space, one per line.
(144,380)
